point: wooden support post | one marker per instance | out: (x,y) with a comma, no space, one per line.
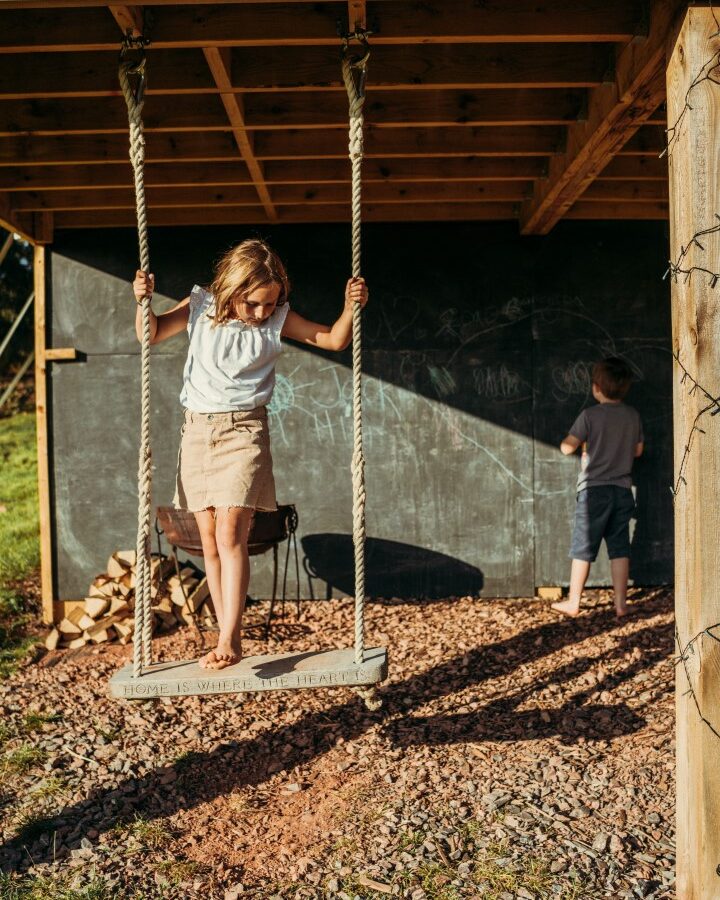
(694,164)
(43,455)
(357,15)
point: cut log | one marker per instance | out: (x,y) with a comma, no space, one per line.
(115,567)
(68,627)
(164,605)
(125,557)
(100,637)
(53,639)
(96,606)
(198,596)
(119,607)
(128,579)
(178,596)
(550,593)
(185,615)
(124,630)
(75,615)
(85,621)
(76,643)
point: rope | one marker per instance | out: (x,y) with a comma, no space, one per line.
(142,641)
(354,71)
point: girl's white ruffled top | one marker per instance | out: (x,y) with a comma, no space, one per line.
(231,366)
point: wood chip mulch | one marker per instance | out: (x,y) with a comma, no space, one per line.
(518,754)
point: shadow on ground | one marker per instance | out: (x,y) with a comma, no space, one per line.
(300,742)
(392,569)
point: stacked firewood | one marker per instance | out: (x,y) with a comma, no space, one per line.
(107,613)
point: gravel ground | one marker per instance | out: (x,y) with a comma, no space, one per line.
(517,755)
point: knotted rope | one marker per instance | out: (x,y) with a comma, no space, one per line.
(142,642)
(354,70)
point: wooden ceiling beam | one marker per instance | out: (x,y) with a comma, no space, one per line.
(408,141)
(614,191)
(615,112)
(306,172)
(129,18)
(10,221)
(636,168)
(209,146)
(218,60)
(82,29)
(281,112)
(285,195)
(301,69)
(612,210)
(357,15)
(228,215)
(648,140)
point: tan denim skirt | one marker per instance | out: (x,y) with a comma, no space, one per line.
(225,460)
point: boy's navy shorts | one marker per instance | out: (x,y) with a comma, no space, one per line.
(601,512)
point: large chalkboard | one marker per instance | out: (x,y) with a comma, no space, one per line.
(478,348)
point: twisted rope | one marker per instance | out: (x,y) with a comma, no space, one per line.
(353,71)
(142,641)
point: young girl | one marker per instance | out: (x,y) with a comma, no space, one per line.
(224,464)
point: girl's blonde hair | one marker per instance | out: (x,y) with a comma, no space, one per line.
(244,269)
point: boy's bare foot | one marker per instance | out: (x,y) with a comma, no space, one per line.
(225,655)
(622,611)
(568,607)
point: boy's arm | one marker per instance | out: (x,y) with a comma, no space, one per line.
(639,447)
(570,445)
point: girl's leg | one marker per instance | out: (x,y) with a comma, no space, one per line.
(206,525)
(579,571)
(620,569)
(232,527)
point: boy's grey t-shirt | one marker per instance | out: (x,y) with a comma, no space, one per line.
(611,432)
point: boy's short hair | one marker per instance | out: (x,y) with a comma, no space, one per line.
(613,376)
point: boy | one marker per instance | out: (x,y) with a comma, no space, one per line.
(612,435)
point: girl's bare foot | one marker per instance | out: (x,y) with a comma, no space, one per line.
(204,661)
(225,655)
(568,607)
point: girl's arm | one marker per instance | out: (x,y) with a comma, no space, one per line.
(328,337)
(166,324)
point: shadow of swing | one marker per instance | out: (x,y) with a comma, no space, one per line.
(250,759)
(392,569)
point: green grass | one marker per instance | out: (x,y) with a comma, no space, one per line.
(149,835)
(19,528)
(28,887)
(19,534)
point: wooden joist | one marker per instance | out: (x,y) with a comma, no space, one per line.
(618,210)
(285,195)
(615,112)
(301,69)
(304,23)
(310,171)
(195,146)
(420,211)
(218,60)
(280,112)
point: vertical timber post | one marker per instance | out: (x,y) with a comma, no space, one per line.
(694,163)
(43,455)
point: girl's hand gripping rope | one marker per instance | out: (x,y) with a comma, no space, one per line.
(355,292)
(143,286)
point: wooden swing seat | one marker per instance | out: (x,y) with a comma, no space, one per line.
(282,671)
